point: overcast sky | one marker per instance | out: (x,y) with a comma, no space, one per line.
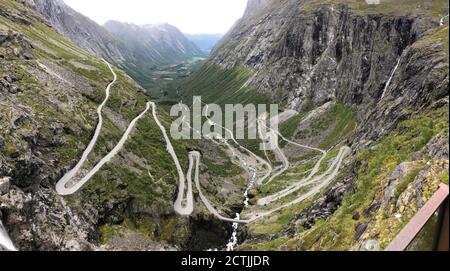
(190,16)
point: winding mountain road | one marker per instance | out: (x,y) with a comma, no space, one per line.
(323,180)
(286,164)
(61,185)
(286,167)
(261,160)
(331,173)
(184,204)
(196,156)
(337,164)
(62,188)
(187,200)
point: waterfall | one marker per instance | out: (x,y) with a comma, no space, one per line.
(5,241)
(442,21)
(390,79)
(234,240)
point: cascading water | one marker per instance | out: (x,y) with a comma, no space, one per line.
(234,240)
(5,241)
(231,246)
(390,79)
(442,22)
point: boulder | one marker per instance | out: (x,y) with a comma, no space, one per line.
(371,245)
(372,209)
(360,230)
(5,184)
(356,216)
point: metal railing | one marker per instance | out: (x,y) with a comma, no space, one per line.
(438,204)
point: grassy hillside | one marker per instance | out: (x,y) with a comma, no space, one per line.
(222,86)
(434,8)
(374,166)
(50,117)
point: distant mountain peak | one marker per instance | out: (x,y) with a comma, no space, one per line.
(137,49)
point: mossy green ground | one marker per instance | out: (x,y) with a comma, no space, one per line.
(214,84)
(339,117)
(340,122)
(337,232)
(434,8)
(142,175)
(410,136)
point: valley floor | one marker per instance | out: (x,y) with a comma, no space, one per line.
(316,183)
(261,172)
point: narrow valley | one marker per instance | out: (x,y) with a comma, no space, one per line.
(357,147)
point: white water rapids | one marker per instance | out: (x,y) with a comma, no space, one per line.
(234,238)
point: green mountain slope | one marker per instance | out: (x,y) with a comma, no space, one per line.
(384,70)
(49,93)
(137,50)
(368,79)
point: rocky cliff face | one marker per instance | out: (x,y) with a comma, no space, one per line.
(305,54)
(310,47)
(373,77)
(254,7)
(32,132)
(159,44)
(49,92)
(81,30)
(388,63)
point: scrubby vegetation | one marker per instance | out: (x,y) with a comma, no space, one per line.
(398,7)
(372,168)
(339,121)
(141,177)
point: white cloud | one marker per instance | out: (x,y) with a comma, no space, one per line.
(190,16)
